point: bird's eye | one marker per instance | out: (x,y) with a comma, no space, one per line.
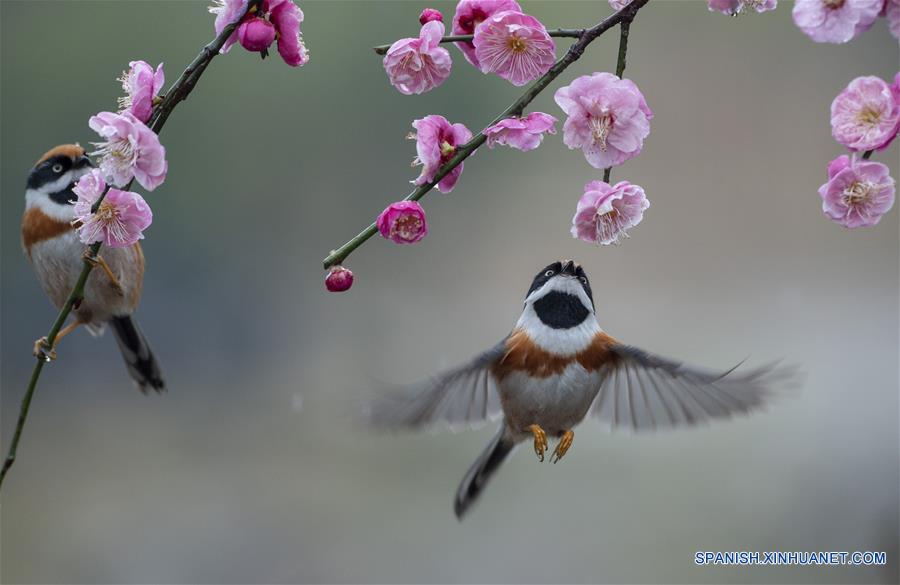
(57,168)
(582,279)
(549,273)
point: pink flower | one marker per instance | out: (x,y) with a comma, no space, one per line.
(129,150)
(141,86)
(119,221)
(608,118)
(857,193)
(735,7)
(618,5)
(524,133)
(339,279)
(227,12)
(436,143)
(605,212)
(515,46)
(835,21)
(256,34)
(403,222)
(419,65)
(287,16)
(430,14)
(275,19)
(865,115)
(892,13)
(471,13)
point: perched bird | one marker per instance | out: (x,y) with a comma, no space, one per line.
(52,246)
(558,366)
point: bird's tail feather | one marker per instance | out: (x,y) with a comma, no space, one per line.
(140,361)
(481,471)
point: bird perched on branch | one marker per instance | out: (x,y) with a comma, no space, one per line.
(558,367)
(51,244)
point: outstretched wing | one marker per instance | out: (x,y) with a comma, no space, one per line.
(457,399)
(643,391)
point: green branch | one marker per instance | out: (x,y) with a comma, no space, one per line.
(620,70)
(585,37)
(177,93)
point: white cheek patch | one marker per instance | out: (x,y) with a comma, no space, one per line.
(40,198)
(559,341)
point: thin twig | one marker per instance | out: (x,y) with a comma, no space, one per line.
(620,70)
(177,93)
(585,38)
(557,32)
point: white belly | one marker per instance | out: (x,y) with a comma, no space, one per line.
(556,403)
(58,263)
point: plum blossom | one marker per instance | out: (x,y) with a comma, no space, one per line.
(119,221)
(430,14)
(129,150)
(865,115)
(525,133)
(275,19)
(515,46)
(418,65)
(436,143)
(605,212)
(339,279)
(735,7)
(403,222)
(608,118)
(141,85)
(618,5)
(857,193)
(892,13)
(471,13)
(835,21)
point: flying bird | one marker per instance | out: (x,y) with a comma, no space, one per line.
(50,241)
(558,367)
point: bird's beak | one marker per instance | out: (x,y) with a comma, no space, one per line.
(568,268)
(83,161)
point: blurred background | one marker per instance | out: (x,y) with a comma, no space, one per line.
(253,469)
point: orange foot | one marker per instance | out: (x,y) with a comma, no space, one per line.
(540,440)
(563,446)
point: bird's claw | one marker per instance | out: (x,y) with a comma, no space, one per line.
(43,350)
(563,446)
(540,441)
(98,260)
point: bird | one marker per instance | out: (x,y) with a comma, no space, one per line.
(557,367)
(50,243)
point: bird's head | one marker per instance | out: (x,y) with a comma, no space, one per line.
(51,179)
(560,295)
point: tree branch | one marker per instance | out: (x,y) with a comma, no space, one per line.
(556,32)
(177,93)
(585,38)
(620,70)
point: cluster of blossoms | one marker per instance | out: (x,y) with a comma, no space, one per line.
(128,151)
(506,42)
(262,25)
(865,117)
(607,118)
(840,21)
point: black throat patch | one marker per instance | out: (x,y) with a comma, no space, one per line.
(560,310)
(64,197)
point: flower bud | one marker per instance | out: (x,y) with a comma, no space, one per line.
(430,14)
(256,34)
(339,279)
